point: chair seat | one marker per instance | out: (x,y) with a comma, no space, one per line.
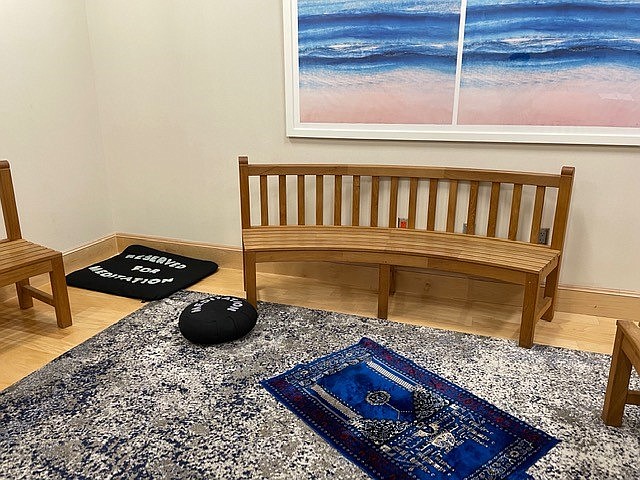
(17,256)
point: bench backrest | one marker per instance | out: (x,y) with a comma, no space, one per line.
(8,201)
(373,195)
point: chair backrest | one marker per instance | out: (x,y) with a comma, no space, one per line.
(8,200)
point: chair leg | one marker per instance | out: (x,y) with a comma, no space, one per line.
(24,299)
(528,321)
(384,280)
(618,385)
(551,290)
(244,268)
(60,293)
(250,278)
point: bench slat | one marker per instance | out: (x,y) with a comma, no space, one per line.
(536,221)
(493,209)
(337,200)
(282,198)
(375,194)
(245,197)
(319,199)
(393,203)
(431,209)
(355,202)
(473,206)
(514,220)
(453,202)
(264,201)
(301,200)
(398,171)
(562,209)
(413,201)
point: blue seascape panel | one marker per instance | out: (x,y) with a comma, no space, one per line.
(375,57)
(395,419)
(376,36)
(551,62)
(536,35)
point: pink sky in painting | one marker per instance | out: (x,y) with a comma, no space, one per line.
(399,97)
(594,97)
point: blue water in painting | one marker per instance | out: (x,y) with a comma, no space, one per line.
(361,36)
(552,34)
(378,35)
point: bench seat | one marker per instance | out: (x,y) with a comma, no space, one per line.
(334,241)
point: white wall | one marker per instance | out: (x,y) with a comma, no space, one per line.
(49,126)
(183,88)
(186,87)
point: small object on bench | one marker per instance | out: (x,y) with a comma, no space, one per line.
(373,237)
(143,273)
(20,259)
(217,319)
(626,354)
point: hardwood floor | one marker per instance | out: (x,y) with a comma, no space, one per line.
(30,338)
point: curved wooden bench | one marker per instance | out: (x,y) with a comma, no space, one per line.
(505,259)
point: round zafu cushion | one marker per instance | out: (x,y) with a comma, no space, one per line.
(217,319)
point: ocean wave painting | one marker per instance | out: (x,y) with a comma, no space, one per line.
(384,62)
(551,63)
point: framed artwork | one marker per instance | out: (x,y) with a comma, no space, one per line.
(541,71)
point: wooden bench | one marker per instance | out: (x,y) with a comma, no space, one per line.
(354,220)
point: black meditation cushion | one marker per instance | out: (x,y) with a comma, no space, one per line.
(217,319)
(142,272)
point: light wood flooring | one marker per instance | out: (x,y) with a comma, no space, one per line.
(30,338)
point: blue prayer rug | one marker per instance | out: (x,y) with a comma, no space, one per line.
(397,420)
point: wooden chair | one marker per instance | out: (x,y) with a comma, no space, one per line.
(626,353)
(21,260)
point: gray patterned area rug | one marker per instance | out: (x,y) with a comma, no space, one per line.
(140,401)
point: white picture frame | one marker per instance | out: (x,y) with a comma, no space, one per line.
(412,132)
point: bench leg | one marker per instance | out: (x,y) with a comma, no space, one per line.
(250,278)
(528,321)
(24,299)
(618,385)
(392,281)
(384,279)
(551,290)
(60,293)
